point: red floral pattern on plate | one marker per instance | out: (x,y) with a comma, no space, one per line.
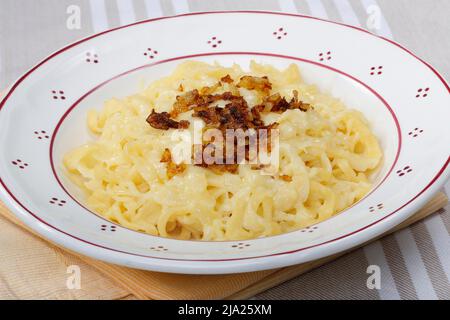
(58,94)
(379,206)
(415,133)
(111,228)
(159,249)
(324,56)
(240,245)
(376,70)
(92,57)
(214,42)
(310,229)
(280,33)
(42,134)
(423,92)
(151,53)
(19,163)
(57,202)
(404,171)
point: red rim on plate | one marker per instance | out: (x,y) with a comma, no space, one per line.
(436,177)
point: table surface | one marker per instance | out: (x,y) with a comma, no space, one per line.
(414,263)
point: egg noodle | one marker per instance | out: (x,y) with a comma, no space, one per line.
(328,153)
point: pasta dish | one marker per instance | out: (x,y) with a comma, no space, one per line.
(144,170)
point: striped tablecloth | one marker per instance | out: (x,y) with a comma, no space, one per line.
(414,263)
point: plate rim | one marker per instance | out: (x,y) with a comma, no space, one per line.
(423,195)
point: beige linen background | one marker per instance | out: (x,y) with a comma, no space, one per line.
(415,263)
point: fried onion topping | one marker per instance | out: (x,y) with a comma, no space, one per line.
(235,114)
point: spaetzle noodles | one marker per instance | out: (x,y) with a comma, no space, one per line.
(326,157)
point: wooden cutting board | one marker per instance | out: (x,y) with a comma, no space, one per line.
(154,285)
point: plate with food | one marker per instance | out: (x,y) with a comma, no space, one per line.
(254,140)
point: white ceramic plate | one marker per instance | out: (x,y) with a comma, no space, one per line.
(43,115)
